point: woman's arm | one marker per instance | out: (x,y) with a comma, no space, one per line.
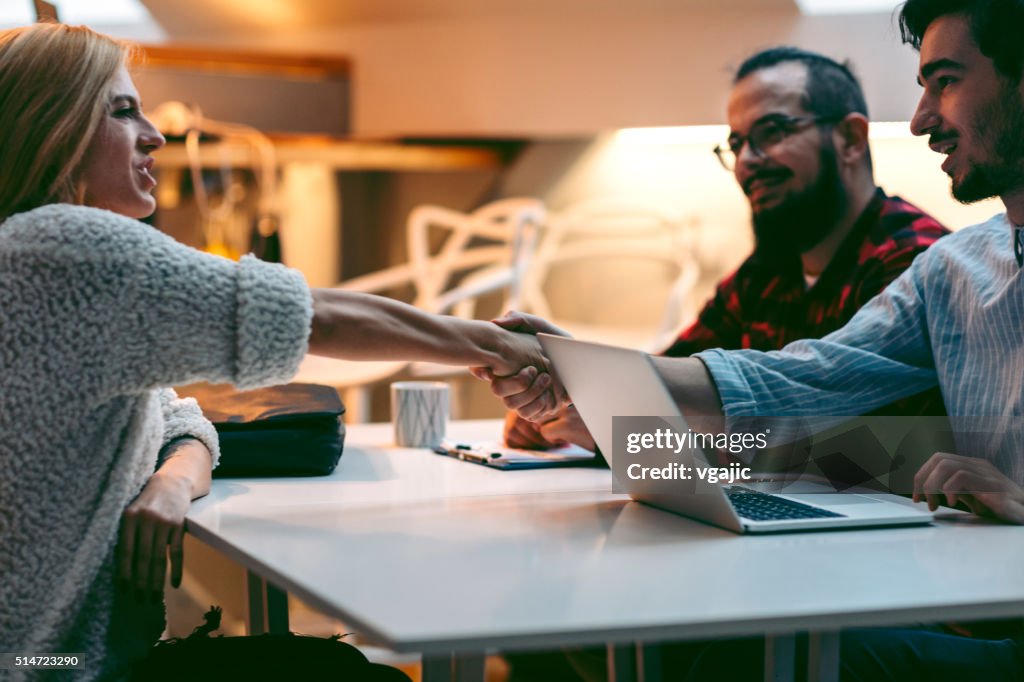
(357,326)
(155,520)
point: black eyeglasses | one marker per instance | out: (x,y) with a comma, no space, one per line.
(765,134)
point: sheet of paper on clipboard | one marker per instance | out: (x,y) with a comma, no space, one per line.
(498,456)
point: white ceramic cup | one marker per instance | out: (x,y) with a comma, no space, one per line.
(419,412)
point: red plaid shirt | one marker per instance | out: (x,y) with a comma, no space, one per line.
(766,304)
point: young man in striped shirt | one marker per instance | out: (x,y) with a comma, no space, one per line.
(953,319)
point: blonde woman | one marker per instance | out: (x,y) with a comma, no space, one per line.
(99,312)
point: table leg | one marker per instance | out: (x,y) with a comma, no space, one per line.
(455,667)
(622,663)
(648,663)
(268,606)
(437,668)
(779,658)
(468,667)
(823,657)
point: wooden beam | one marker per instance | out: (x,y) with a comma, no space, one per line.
(340,154)
(210,59)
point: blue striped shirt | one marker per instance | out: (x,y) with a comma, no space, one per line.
(954,318)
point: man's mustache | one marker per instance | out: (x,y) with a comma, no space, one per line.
(940,137)
(766,174)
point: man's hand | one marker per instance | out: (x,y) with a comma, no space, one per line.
(522,433)
(151,525)
(971,480)
(525,323)
(565,427)
(568,427)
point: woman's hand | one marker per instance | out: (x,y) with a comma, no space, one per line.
(153,525)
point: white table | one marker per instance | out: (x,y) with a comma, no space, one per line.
(423,553)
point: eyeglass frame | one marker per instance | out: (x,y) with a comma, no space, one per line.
(787,124)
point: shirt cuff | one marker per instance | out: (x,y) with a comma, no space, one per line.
(733,388)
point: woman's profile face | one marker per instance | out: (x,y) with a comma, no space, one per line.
(117,169)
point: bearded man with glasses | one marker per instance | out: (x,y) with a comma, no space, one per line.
(827,238)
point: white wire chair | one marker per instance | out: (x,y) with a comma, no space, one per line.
(486,251)
(618,270)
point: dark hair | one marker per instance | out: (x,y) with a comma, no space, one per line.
(832,89)
(995,26)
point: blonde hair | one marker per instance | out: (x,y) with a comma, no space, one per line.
(54,85)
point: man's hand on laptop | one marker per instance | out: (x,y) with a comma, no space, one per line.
(973,481)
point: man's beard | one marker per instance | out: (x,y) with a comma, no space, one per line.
(802,221)
(1004,119)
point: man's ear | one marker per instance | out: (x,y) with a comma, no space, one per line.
(851,137)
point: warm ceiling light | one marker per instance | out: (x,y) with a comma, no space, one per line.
(102,12)
(16,13)
(713,134)
(93,12)
(673,135)
(889,130)
(847,6)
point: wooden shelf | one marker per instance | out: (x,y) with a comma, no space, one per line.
(212,59)
(340,154)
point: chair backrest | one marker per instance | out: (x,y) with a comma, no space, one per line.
(618,270)
(455,257)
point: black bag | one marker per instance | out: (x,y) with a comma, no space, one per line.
(289,430)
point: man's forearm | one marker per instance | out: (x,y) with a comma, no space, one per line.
(691,386)
(359,326)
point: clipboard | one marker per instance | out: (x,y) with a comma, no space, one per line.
(498,456)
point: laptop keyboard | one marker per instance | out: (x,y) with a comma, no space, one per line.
(758,506)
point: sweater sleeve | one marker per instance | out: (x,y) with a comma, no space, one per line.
(130,309)
(882,354)
(183,417)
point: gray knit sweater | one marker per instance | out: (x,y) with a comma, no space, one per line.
(98,312)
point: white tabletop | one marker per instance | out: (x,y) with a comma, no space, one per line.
(426,553)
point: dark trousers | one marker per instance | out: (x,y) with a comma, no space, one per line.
(877,655)
(866,655)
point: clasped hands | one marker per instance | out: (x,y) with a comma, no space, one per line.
(534,391)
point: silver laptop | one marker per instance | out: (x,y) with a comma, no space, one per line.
(605,382)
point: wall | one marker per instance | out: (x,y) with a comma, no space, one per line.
(556,75)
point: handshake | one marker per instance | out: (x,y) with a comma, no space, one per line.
(533,393)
